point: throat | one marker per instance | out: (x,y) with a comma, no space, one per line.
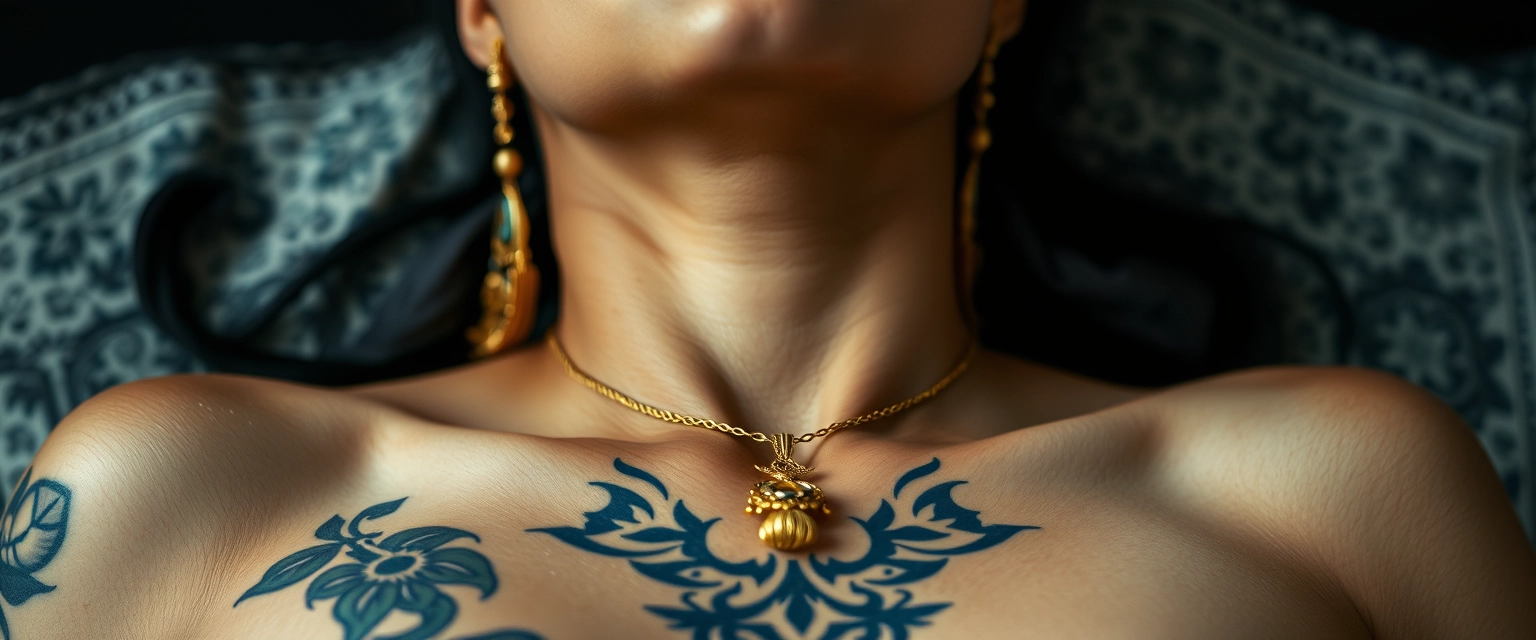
(776,287)
(769,351)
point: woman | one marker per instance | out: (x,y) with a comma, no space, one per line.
(753,206)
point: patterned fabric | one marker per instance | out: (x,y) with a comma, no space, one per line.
(314,138)
(1412,176)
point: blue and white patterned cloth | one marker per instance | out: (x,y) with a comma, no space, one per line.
(316,139)
(1411,175)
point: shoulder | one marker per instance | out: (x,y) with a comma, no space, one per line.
(1305,427)
(203,430)
(1373,481)
(1341,414)
(162,476)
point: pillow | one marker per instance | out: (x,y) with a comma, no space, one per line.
(1411,175)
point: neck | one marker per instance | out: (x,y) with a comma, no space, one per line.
(777,284)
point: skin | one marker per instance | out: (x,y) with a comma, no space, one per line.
(752,208)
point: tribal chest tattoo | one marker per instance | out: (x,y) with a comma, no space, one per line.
(417,576)
(912,536)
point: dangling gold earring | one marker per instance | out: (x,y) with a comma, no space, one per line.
(968,254)
(511,290)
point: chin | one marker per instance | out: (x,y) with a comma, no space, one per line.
(591,62)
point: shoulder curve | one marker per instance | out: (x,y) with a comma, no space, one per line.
(1345,414)
(203,430)
(1316,387)
(201,406)
(189,424)
(163,475)
(1372,479)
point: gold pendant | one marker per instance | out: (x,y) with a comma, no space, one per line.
(788,500)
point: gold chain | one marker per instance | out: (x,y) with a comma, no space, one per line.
(705,423)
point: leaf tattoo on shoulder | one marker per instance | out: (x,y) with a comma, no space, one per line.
(32,531)
(402,572)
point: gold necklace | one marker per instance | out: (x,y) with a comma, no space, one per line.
(787,499)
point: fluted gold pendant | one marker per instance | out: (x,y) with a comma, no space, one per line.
(788,500)
(788,530)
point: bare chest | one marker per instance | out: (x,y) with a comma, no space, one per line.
(938,549)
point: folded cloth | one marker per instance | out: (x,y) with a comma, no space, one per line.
(303,147)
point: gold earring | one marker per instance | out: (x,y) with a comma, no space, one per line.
(511,290)
(969,255)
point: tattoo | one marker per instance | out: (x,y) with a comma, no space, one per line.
(33,530)
(828,598)
(506,634)
(403,572)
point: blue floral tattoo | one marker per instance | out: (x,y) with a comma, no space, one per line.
(827,598)
(31,533)
(402,572)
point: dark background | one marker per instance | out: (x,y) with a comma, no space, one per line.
(42,41)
